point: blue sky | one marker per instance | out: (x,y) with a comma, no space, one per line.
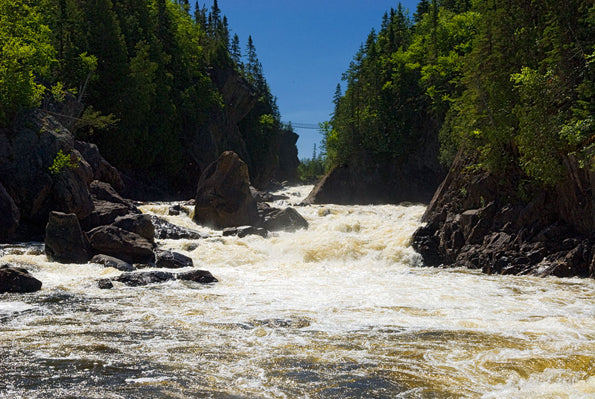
(304,47)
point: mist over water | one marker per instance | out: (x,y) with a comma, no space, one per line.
(343,309)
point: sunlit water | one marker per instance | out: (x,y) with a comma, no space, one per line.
(342,310)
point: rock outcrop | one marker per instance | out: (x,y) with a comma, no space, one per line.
(414,178)
(17,280)
(27,150)
(223,197)
(65,242)
(478,220)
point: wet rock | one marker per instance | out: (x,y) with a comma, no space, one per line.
(137,223)
(198,276)
(122,244)
(136,279)
(223,197)
(165,230)
(65,242)
(244,231)
(105,284)
(110,261)
(17,280)
(172,260)
(287,219)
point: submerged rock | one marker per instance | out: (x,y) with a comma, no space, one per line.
(244,231)
(17,280)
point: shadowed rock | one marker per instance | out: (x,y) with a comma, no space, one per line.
(17,280)
(110,261)
(65,242)
(172,260)
(223,197)
(122,244)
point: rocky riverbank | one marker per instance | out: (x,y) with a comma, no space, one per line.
(63,192)
(481,221)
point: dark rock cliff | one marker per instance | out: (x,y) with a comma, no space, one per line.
(482,221)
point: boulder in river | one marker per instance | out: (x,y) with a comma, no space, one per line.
(136,279)
(17,280)
(223,197)
(165,230)
(243,231)
(122,244)
(65,242)
(110,261)
(287,219)
(172,260)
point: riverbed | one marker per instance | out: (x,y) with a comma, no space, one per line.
(345,309)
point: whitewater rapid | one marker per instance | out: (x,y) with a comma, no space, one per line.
(343,309)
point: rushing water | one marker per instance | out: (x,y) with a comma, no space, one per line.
(344,309)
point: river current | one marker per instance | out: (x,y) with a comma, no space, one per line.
(344,309)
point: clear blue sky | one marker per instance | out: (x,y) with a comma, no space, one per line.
(304,47)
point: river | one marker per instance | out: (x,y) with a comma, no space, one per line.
(342,310)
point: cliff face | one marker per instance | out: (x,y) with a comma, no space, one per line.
(478,220)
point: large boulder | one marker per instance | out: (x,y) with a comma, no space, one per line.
(223,197)
(65,242)
(18,280)
(9,216)
(121,244)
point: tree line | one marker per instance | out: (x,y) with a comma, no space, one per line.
(508,79)
(141,67)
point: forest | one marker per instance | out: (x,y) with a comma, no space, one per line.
(511,81)
(144,71)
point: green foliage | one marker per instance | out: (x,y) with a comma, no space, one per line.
(510,80)
(26,56)
(62,162)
